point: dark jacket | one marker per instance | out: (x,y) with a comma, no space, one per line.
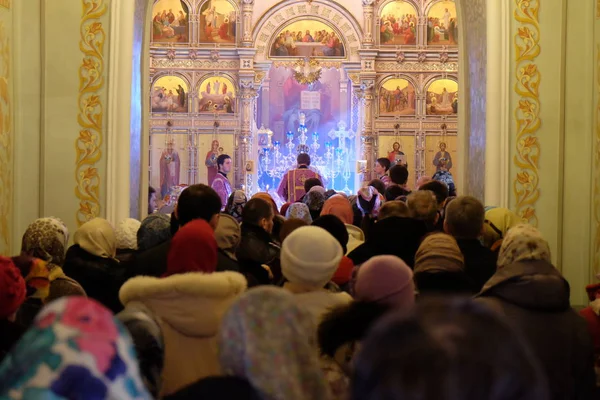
(10,333)
(217,387)
(444,282)
(394,191)
(225,263)
(480,262)
(347,325)
(151,262)
(256,248)
(101,278)
(148,341)
(394,236)
(534,296)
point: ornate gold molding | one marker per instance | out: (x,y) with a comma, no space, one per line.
(91,111)
(596,259)
(527,113)
(6,168)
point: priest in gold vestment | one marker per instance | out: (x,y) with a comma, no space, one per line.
(291,188)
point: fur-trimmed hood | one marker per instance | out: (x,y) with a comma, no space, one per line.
(191,303)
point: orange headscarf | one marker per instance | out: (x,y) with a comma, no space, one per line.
(340,207)
(267,197)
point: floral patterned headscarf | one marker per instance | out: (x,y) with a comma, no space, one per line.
(46,239)
(523,242)
(235,204)
(282,366)
(299,211)
(74,350)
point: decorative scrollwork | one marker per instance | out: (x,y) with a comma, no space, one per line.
(527,114)
(6,139)
(91,110)
(596,260)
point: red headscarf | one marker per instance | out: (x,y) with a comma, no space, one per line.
(340,207)
(12,288)
(267,197)
(284,208)
(193,249)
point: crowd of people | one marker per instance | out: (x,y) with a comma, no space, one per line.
(391,293)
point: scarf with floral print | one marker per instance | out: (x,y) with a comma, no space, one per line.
(75,349)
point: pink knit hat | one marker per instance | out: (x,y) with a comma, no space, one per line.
(387,280)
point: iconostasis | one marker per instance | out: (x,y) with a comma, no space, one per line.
(198,76)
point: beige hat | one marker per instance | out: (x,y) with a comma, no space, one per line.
(439,251)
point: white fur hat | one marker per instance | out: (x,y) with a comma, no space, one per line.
(310,256)
(126,234)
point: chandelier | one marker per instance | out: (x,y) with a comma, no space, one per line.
(307,71)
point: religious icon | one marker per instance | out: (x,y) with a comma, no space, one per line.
(307,38)
(442,25)
(169,168)
(211,161)
(397,156)
(442,159)
(397,97)
(169,94)
(442,97)
(170,23)
(217,22)
(217,95)
(398,24)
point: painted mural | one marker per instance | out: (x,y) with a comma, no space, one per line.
(217,95)
(170,22)
(217,22)
(307,38)
(441,157)
(400,149)
(442,97)
(170,94)
(397,97)
(398,24)
(442,24)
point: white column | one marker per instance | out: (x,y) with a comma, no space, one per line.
(122,15)
(497,143)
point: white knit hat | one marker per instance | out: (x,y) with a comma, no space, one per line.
(310,256)
(126,234)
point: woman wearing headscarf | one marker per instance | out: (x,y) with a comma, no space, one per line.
(314,199)
(188,302)
(92,262)
(440,267)
(13,293)
(267,340)
(228,235)
(368,202)
(383,283)
(46,239)
(235,204)
(498,221)
(529,291)
(299,211)
(339,206)
(75,350)
(126,235)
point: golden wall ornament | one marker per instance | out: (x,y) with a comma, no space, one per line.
(596,260)
(6,145)
(527,113)
(91,111)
